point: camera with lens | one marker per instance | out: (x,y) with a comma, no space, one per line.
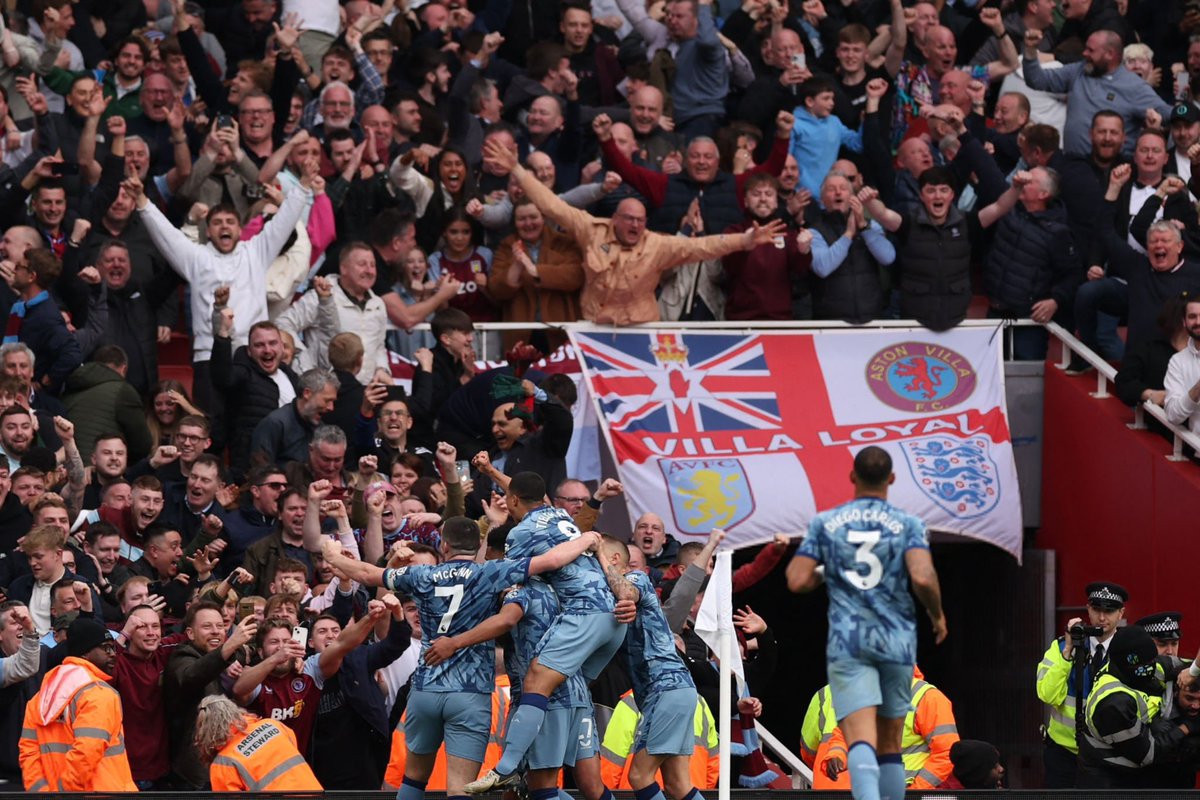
(1081,632)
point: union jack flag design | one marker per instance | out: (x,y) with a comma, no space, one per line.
(684,384)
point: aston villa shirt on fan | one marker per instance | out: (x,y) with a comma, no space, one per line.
(540,608)
(862,545)
(453,598)
(292,699)
(654,662)
(581,586)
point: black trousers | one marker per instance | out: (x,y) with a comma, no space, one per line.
(1061,766)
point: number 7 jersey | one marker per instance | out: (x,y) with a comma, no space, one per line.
(862,545)
(453,598)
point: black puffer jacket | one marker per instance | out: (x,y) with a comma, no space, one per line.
(718,203)
(250,395)
(853,292)
(1033,258)
(935,269)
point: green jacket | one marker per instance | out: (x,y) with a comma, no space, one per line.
(99,401)
(129,106)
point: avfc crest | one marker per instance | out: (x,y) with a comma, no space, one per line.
(920,377)
(707,493)
(957,474)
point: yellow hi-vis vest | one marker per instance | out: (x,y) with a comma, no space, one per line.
(1055,690)
(916,747)
(819,722)
(1148,707)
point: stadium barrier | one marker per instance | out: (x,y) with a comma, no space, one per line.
(738,794)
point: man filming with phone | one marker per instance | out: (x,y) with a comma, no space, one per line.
(1067,672)
(286,683)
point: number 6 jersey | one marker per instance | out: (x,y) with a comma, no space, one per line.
(862,545)
(453,598)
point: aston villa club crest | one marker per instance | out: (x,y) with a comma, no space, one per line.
(957,474)
(920,377)
(707,493)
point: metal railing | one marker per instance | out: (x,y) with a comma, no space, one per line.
(486,351)
(802,776)
(1106,374)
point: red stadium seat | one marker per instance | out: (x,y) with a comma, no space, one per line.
(177,372)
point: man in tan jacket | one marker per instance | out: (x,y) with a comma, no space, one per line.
(622,261)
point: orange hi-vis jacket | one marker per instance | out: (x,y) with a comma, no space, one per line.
(616,756)
(72,739)
(437,779)
(263,758)
(929,733)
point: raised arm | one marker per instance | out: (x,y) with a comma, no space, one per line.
(890,220)
(649,184)
(577,223)
(1058,81)
(330,660)
(677,250)
(274,235)
(318,492)
(899,40)
(1006,202)
(654,33)
(355,570)
(1009,59)
(178,250)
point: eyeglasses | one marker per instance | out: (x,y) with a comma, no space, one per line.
(187,437)
(576,500)
(278,486)
(393,413)
(257,112)
(109,647)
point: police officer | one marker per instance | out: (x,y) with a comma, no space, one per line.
(1120,738)
(1064,686)
(1163,627)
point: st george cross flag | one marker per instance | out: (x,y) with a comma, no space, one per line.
(754,433)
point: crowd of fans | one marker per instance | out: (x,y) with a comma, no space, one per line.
(291,187)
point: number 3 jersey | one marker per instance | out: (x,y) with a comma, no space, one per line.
(862,545)
(453,598)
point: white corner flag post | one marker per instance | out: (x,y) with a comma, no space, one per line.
(714,624)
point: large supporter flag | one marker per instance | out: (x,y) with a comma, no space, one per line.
(754,433)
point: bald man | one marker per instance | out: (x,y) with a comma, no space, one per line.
(1098,83)
(650,536)
(654,143)
(623,261)
(777,88)
(626,142)
(940,51)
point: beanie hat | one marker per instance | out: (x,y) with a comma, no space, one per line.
(1132,657)
(84,634)
(973,762)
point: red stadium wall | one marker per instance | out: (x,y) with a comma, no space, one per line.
(1114,508)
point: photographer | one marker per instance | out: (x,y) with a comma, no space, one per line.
(1067,672)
